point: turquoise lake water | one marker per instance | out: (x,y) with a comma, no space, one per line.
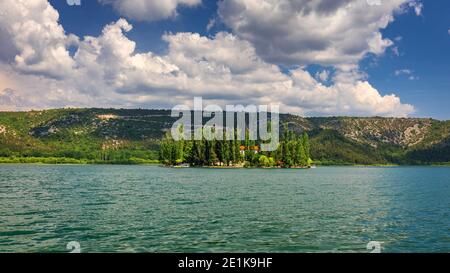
(155,209)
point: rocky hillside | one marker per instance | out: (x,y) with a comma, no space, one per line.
(88,133)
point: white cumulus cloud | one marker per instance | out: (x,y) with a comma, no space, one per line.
(106,71)
(325,32)
(149,10)
(39,41)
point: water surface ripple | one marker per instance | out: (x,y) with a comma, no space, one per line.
(154,209)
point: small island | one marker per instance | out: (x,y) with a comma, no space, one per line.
(293,152)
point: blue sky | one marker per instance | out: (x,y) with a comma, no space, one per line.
(410,59)
(424,50)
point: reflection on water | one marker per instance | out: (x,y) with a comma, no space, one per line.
(153,209)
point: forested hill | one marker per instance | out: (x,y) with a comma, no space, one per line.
(121,135)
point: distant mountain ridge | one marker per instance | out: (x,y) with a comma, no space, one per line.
(88,133)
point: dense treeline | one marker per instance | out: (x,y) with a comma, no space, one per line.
(293,151)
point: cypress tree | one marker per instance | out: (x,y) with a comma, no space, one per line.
(237,149)
(306,145)
(303,158)
(166,154)
(287,156)
(299,151)
(226,152)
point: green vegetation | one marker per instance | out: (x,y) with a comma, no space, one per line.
(124,136)
(42,160)
(65,160)
(294,151)
(81,136)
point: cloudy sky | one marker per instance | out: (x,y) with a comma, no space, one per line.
(312,57)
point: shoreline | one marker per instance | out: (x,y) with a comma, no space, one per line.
(73,161)
(142,162)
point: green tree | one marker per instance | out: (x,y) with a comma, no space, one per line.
(264,161)
(168,153)
(302,155)
(287,156)
(306,145)
(210,152)
(236,146)
(198,153)
(272,161)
